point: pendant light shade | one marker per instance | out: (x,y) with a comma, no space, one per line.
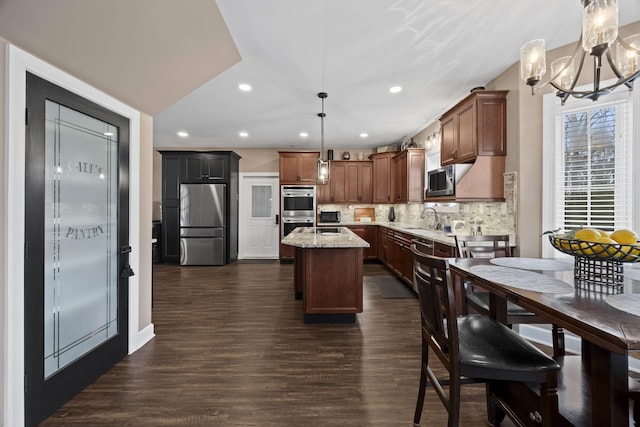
(323,165)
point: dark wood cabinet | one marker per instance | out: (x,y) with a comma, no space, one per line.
(349,182)
(443,251)
(197,168)
(476,126)
(189,167)
(382,166)
(383,245)
(408,176)
(400,255)
(369,233)
(298,167)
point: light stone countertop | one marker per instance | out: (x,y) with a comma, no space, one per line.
(311,237)
(415,231)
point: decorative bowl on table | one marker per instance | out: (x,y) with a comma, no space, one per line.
(598,266)
(595,250)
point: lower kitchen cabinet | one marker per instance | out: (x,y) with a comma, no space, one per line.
(369,233)
(443,251)
(400,255)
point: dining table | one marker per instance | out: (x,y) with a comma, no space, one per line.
(593,385)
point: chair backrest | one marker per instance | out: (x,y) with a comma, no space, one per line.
(437,304)
(490,246)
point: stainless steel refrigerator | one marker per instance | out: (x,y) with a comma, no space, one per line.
(202,224)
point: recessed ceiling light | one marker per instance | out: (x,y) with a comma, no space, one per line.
(243,134)
(245,87)
(303,134)
(364,135)
(395,89)
(183,134)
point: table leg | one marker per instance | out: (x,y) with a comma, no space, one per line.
(609,385)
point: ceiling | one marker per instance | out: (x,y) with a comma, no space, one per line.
(355,51)
(181,62)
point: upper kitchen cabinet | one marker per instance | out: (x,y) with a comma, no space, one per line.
(298,167)
(476,126)
(382,176)
(204,167)
(349,182)
(408,176)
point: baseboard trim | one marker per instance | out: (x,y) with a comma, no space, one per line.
(572,343)
(143,337)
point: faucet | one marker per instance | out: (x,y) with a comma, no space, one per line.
(436,222)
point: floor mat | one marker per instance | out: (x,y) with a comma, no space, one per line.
(390,287)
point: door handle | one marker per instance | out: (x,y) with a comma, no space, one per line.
(277,219)
(126,272)
(125,250)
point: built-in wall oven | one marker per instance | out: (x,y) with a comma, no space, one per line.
(298,207)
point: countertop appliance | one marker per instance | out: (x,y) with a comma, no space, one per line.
(441,182)
(202,224)
(298,207)
(330,216)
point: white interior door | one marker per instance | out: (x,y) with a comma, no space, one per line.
(259,230)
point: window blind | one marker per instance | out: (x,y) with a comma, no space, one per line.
(593,166)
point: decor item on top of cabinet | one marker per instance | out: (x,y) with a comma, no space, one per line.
(408,143)
(599,37)
(323,165)
(346,155)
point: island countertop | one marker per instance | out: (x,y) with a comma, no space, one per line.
(324,237)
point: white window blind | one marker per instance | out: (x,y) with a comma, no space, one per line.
(593,165)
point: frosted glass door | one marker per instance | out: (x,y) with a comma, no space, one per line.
(81,235)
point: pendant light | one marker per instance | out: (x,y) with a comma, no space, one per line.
(323,165)
(600,39)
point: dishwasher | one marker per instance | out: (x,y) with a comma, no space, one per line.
(424,246)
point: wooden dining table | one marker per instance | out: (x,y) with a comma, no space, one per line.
(593,386)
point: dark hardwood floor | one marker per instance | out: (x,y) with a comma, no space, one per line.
(231,350)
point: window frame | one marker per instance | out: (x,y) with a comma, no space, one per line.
(551,148)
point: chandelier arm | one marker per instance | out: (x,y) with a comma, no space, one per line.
(627,46)
(578,51)
(613,66)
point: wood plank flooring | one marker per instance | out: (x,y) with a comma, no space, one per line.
(231,350)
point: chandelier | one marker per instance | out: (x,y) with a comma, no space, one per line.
(600,39)
(323,165)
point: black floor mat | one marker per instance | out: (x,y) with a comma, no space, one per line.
(390,287)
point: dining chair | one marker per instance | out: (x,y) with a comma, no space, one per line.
(494,246)
(475,348)
(634,395)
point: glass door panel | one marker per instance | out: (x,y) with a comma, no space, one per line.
(81,235)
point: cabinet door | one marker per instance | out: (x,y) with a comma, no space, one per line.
(415,176)
(369,234)
(467,133)
(337,181)
(289,169)
(323,193)
(170,177)
(383,245)
(492,128)
(192,169)
(365,182)
(382,166)
(351,182)
(448,137)
(215,167)
(443,251)
(400,178)
(308,164)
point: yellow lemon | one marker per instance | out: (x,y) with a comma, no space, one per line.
(602,232)
(587,234)
(606,250)
(625,237)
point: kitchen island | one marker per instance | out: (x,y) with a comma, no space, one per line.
(327,273)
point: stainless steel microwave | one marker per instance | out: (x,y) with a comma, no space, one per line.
(441,182)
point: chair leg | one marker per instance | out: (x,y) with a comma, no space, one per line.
(549,401)
(558,341)
(423,385)
(636,413)
(454,399)
(495,415)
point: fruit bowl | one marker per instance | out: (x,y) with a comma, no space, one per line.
(595,250)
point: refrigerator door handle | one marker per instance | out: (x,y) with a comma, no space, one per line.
(277,219)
